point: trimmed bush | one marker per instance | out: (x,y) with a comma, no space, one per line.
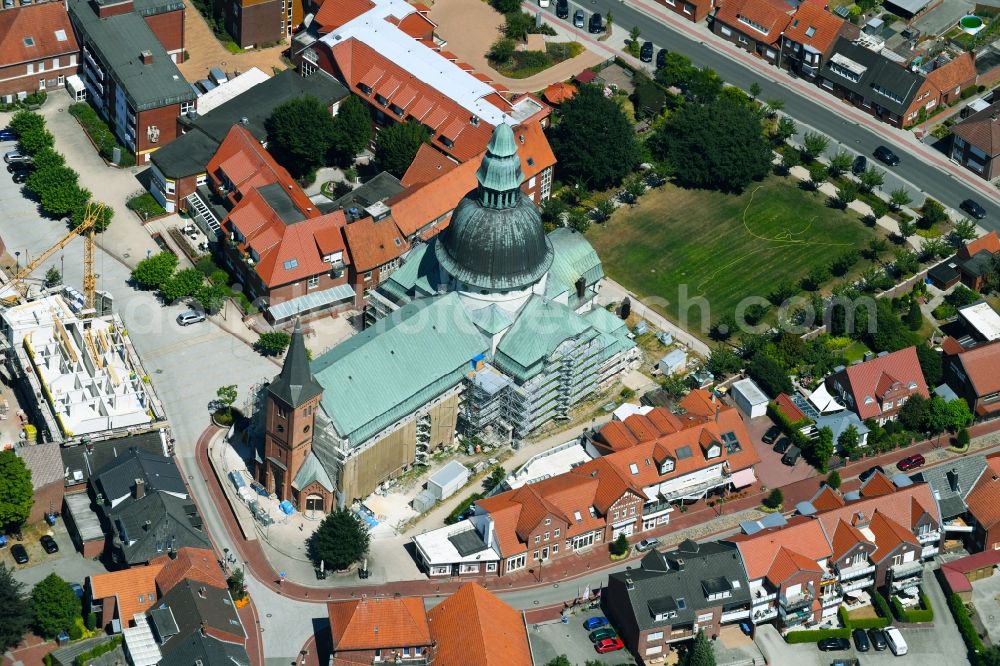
(972,640)
(923,614)
(97,651)
(99,133)
(454,516)
(862,622)
(145,205)
(815,635)
(881,605)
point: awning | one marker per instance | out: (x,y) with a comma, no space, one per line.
(744,478)
(314,301)
(823,401)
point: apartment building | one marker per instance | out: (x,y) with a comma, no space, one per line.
(807,40)
(38,50)
(130,77)
(753,25)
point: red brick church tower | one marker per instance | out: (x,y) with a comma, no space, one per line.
(292,400)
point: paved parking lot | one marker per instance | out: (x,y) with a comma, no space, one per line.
(771,471)
(68,563)
(551,640)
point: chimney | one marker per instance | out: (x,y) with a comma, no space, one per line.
(953,480)
(140,488)
(201,591)
(147,57)
(629,585)
(718,408)
(203,628)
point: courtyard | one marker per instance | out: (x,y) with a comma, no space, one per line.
(694,254)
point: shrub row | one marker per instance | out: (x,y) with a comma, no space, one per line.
(461,508)
(816,635)
(100,133)
(862,622)
(145,205)
(923,614)
(969,635)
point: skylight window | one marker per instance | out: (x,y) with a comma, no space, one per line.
(29,41)
(291,263)
(576,514)
(61,35)
(810,31)
(633,468)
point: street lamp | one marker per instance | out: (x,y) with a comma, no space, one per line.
(17,261)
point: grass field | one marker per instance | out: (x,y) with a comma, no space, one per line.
(723,247)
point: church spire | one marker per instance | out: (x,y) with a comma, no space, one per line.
(500,174)
(295,384)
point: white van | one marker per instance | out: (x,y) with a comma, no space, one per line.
(895,640)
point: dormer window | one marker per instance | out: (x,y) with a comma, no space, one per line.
(365,89)
(667,466)
(869,400)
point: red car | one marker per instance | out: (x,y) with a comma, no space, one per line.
(609,645)
(911,462)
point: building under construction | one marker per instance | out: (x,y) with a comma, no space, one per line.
(78,377)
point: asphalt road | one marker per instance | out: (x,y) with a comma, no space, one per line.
(825,118)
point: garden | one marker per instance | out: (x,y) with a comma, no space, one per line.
(101,135)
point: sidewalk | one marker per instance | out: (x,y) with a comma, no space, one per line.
(612,292)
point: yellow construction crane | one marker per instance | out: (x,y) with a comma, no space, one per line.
(91,217)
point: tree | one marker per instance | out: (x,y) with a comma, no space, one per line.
(620,545)
(700,653)
(648,99)
(718,145)
(561,660)
(914,317)
(783,131)
(237,584)
(609,19)
(889,334)
(822,449)
(906,262)
(502,50)
(817,175)
(603,208)
(914,412)
(899,198)
(339,541)
(846,193)
(578,221)
(300,133)
(634,33)
(931,248)
(15,610)
(849,441)
(775,499)
(931,364)
(53,277)
(210,297)
(225,396)
(505,6)
(31,132)
(154,271)
(959,415)
(906,229)
(813,145)
(843,262)
(55,606)
(58,190)
(723,361)
(938,416)
(352,129)
(833,478)
(397,145)
(871,179)
(553,209)
(594,142)
(272,343)
(16,492)
(517,25)
(772,106)
(964,230)
(47,158)
(769,375)
(497,476)
(879,210)
(182,284)
(754,90)
(961,440)
(676,71)
(840,163)
(931,213)
(103,220)
(704,85)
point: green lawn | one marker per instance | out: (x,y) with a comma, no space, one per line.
(723,247)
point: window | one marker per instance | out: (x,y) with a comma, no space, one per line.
(313,282)
(654,636)
(633,468)
(406,652)
(546,536)
(555,549)
(187,107)
(171,187)
(290,264)
(534,555)
(631,511)
(810,31)
(654,650)
(61,81)
(368,276)
(705,617)
(616,514)
(200,180)
(531,182)
(55,63)
(726,32)
(888,405)
(548,521)
(663,520)
(556,534)
(41,84)
(753,24)
(538,538)
(378,654)
(491,566)
(516,562)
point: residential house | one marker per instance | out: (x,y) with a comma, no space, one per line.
(949,78)
(951,484)
(194,621)
(808,39)
(145,508)
(474,626)
(878,388)
(289,256)
(971,264)
(375,629)
(376,248)
(975,142)
(180,167)
(754,25)
(38,50)
(672,595)
(974,374)
(984,507)
(118,596)
(47,486)
(694,11)
(129,72)
(961,573)
(386,52)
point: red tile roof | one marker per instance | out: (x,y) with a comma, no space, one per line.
(473,626)
(248,165)
(787,563)
(378,622)
(984,500)
(559,92)
(989,242)
(334,13)
(982,366)
(955,75)
(134,589)
(772,15)
(760,550)
(878,484)
(900,369)
(197,564)
(789,408)
(33,33)
(428,165)
(845,537)
(827,498)
(373,244)
(811,24)
(889,534)
(982,129)
(434,201)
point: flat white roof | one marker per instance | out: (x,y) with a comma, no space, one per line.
(748,389)
(425,64)
(236,86)
(983,318)
(554,461)
(628,409)
(437,548)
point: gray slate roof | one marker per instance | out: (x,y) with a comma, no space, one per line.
(118,42)
(194,603)
(952,482)
(879,72)
(198,649)
(661,584)
(117,478)
(381,187)
(155,525)
(98,455)
(44,462)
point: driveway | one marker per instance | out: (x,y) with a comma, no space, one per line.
(68,563)
(551,640)
(771,471)
(986,599)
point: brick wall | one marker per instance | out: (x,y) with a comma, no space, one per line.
(255,23)
(169,29)
(15,78)
(165,119)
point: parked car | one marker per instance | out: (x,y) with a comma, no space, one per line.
(595,622)
(877,638)
(846,661)
(897,645)
(12,156)
(911,462)
(887,156)
(190,317)
(661,58)
(77,590)
(609,645)
(647,544)
(19,554)
(771,435)
(20,167)
(602,633)
(578,18)
(646,52)
(861,642)
(562,9)
(596,23)
(746,628)
(782,445)
(20,177)
(791,456)
(49,544)
(834,644)
(860,164)
(7,134)
(869,473)
(973,208)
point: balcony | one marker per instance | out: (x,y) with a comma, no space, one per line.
(658,507)
(906,570)
(798,617)
(856,570)
(408,661)
(929,552)
(857,584)
(764,614)
(733,616)
(929,537)
(760,596)
(794,602)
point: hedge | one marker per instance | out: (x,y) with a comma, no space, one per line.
(97,651)
(815,635)
(923,614)
(881,605)
(861,622)
(100,133)
(969,635)
(461,508)
(145,205)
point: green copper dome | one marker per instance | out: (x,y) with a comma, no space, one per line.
(496,239)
